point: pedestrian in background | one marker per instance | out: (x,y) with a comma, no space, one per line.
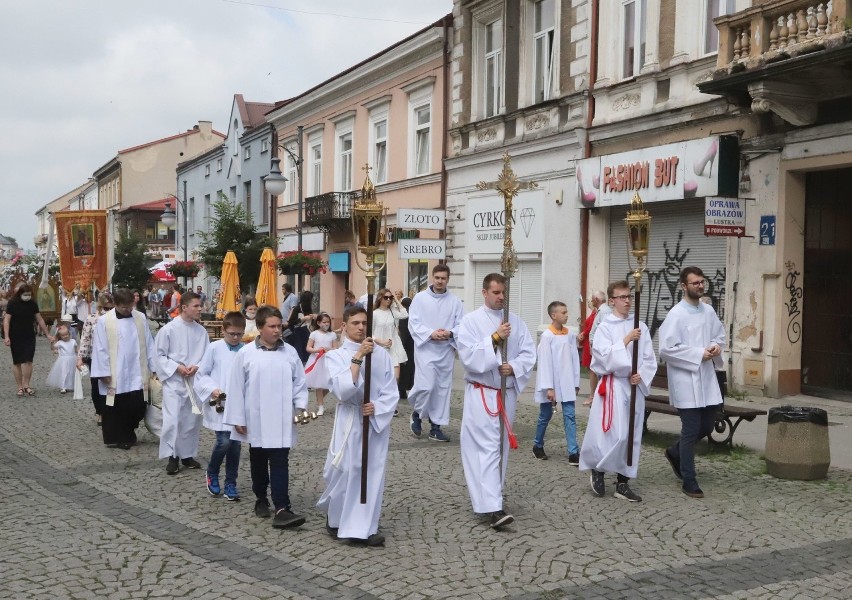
(84,351)
(22,314)
(585,339)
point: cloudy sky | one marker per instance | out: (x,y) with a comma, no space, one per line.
(82,79)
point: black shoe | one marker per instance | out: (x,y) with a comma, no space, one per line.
(693,492)
(574,460)
(125,446)
(500,519)
(623,492)
(377,539)
(261,508)
(284,519)
(332,531)
(173,465)
(674,462)
(538,452)
(191,463)
(598,483)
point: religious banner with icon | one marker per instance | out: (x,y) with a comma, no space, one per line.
(81,237)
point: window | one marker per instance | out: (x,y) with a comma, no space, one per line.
(264,146)
(247,188)
(233,197)
(207,170)
(380,150)
(190,228)
(344,161)
(235,133)
(247,152)
(264,208)
(292,175)
(544,20)
(422,129)
(206,212)
(634,37)
(493,86)
(713,9)
(315,180)
(219,164)
(150,230)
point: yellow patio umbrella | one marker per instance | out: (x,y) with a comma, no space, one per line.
(267,285)
(229,289)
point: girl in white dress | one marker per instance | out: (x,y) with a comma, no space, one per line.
(321,340)
(62,373)
(249,312)
(386,315)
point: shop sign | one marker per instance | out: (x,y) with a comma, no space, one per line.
(416,218)
(420,249)
(486,223)
(724,216)
(690,169)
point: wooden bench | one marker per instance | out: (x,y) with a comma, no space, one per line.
(728,418)
(214,329)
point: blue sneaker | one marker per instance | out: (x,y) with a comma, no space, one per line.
(436,435)
(213,485)
(231,492)
(416,424)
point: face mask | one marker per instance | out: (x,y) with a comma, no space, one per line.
(325,326)
(26,297)
(250,314)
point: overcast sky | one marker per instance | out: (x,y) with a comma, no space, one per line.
(82,79)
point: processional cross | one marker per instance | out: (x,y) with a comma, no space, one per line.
(507,185)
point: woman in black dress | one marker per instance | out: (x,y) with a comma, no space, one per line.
(21,314)
(300,317)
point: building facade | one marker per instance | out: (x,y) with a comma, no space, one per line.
(386,113)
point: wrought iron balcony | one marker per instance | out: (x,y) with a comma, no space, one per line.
(785,56)
(331,211)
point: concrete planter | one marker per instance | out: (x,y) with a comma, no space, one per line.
(797,443)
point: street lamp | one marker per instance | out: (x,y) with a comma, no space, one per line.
(638,225)
(276,184)
(169,219)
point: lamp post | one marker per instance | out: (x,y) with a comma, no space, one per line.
(169,219)
(638,225)
(276,184)
(367,231)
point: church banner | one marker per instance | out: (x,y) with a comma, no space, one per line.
(81,237)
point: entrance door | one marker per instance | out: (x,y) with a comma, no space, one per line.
(827,285)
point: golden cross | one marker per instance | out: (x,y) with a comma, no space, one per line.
(367,168)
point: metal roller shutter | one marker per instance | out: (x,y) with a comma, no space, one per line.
(677,241)
(525,290)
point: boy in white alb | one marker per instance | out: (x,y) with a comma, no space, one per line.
(211,381)
(558,380)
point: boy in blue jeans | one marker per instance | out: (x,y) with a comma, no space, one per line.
(558,380)
(210,383)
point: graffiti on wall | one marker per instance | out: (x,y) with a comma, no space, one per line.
(661,291)
(794,294)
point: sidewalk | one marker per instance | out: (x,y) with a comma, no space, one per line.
(750,434)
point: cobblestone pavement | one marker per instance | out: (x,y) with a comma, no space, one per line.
(82,521)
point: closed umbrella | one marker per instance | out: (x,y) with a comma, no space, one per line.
(267,285)
(229,292)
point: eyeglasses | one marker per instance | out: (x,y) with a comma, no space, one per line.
(234,334)
(699,283)
(622,297)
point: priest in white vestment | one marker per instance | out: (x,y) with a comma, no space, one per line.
(606,439)
(691,342)
(481,335)
(180,347)
(433,321)
(123,357)
(341,501)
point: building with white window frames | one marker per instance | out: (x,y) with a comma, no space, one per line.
(387,112)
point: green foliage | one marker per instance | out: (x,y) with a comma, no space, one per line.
(231,229)
(130,268)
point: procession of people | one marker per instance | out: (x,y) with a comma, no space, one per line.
(253,387)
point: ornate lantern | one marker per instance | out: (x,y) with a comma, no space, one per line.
(638,224)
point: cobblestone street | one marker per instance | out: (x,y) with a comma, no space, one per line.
(83,521)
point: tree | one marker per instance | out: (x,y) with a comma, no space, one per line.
(130,270)
(232,229)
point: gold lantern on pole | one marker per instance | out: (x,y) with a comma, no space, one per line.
(638,225)
(369,236)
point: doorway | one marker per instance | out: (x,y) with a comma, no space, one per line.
(826,286)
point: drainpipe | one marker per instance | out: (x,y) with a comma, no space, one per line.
(446,122)
(587,151)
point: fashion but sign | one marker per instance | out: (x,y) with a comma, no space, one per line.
(81,237)
(690,169)
(486,223)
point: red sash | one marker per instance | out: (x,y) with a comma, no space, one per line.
(501,411)
(605,391)
(316,360)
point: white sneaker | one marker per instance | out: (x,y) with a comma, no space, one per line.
(321,410)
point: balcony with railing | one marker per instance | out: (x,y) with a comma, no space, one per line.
(331,211)
(785,56)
